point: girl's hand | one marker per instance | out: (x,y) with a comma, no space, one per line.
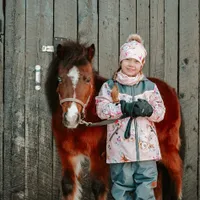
(128,108)
(145,108)
(140,108)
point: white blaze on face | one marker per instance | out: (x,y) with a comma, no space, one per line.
(73,74)
(72,113)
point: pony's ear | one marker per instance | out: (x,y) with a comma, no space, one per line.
(60,51)
(91,51)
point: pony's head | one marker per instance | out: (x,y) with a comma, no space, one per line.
(70,81)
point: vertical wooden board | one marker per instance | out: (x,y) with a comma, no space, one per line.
(171,42)
(198,62)
(88,25)
(128,16)
(14,184)
(31,103)
(143,8)
(65,19)
(65,25)
(1,96)
(1,118)
(39,30)
(108,37)
(156,51)
(45,36)
(188,91)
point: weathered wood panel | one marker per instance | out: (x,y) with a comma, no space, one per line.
(188,91)
(156,38)
(108,37)
(14,94)
(88,25)
(45,33)
(38,132)
(143,29)
(1,95)
(32,103)
(127,19)
(65,19)
(171,43)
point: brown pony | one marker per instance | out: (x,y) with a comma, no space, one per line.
(71,88)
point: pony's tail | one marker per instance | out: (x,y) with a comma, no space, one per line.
(115,90)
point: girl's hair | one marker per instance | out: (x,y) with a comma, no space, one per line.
(115,90)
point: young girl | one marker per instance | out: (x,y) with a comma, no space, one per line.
(132,144)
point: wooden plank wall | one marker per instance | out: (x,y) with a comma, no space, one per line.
(29,166)
(38,138)
(14,99)
(1,95)
(188,91)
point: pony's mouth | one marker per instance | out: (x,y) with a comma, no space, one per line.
(68,125)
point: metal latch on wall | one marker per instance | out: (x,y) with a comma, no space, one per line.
(37,77)
(52,48)
(47,48)
(57,41)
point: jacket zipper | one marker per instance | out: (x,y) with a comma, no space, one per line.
(136,131)
(136,141)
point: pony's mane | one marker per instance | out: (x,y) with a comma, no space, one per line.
(51,85)
(73,53)
(70,53)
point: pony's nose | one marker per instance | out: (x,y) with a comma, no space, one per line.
(69,117)
(71,120)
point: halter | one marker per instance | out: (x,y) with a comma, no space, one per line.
(84,105)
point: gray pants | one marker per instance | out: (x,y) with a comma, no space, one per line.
(134,180)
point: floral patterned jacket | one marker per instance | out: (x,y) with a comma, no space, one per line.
(143,142)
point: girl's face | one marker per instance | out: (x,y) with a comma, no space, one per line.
(131,66)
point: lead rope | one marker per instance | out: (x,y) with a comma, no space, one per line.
(101,123)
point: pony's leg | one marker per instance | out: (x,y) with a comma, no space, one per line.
(71,166)
(100,176)
(173,163)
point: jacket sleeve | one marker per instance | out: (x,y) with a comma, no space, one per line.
(105,107)
(155,100)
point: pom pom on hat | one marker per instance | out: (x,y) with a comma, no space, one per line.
(135,37)
(133,48)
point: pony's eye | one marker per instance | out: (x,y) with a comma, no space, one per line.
(59,79)
(87,79)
